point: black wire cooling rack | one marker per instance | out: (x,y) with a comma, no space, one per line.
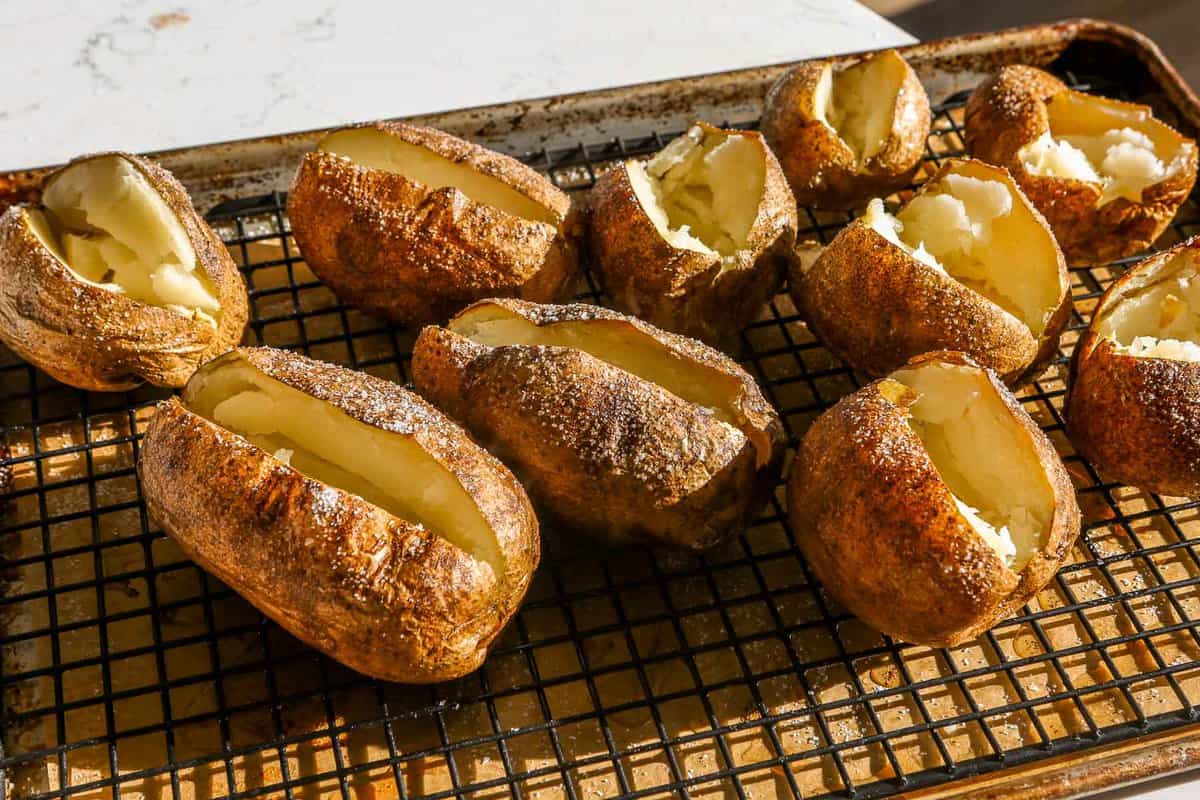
(126,671)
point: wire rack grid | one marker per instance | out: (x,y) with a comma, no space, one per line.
(128,672)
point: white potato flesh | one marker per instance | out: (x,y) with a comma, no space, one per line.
(113,230)
(985,458)
(388,470)
(1158,317)
(860,102)
(375,149)
(702,191)
(1097,140)
(972,226)
(617,343)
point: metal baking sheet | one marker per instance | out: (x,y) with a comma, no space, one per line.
(128,672)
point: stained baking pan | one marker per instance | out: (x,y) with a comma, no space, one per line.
(127,672)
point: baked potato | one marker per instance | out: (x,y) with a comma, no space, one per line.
(615,428)
(930,504)
(1108,176)
(345,508)
(1134,400)
(967,264)
(114,279)
(695,239)
(412,224)
(846,135)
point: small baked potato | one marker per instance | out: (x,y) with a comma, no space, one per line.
(345,508)
(846,135)
(1108,176)
(695,239)
(930,504)
(615,428)
(412,224)
(1134,402)
(114,279)
(967,264)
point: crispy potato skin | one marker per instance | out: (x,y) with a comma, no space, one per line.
(414,255)
(881,530)
(378,593)
(695,294)
(875,307)
(822,169)
(599,449)
(1008,111)
(1136,419)
(98,340)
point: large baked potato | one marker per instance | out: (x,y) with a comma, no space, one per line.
(695,239)
(930,504)
(616,428)
(1134,404)
(344,507)
(1108,176)
(114,279)
(967,264)
(846,135)
(413,224)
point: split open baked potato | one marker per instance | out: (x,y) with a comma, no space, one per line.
(114,279)
(413,224)
(695,239)
(930,504)
(845,135)
(344,507)
(1108,176)
(615,428)
(967,264)
(1134,404)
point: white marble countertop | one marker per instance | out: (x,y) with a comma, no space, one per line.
(146,75)
(142,75)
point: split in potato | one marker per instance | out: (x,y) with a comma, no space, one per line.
(615,428)
(114,278)
(1108,176)
(694,240)
(844,135)
(967,264)
(348,509)
(412,223)
(930,504)
(1133,409)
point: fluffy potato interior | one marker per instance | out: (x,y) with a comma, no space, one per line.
(986,459)
(112,229)
(860,102)
(976,229)
(390,470)
(702,191)
(376,149)
(1159,317)
(1097,140)
(624,347)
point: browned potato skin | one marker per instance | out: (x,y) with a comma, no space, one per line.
(414,255)
(598,449)
(302,551)
(682,290)
(1136,419)
(1008,111)
(101,341)
(875,307)
(821,168)
(882,533)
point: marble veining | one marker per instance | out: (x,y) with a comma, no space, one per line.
(145,75)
